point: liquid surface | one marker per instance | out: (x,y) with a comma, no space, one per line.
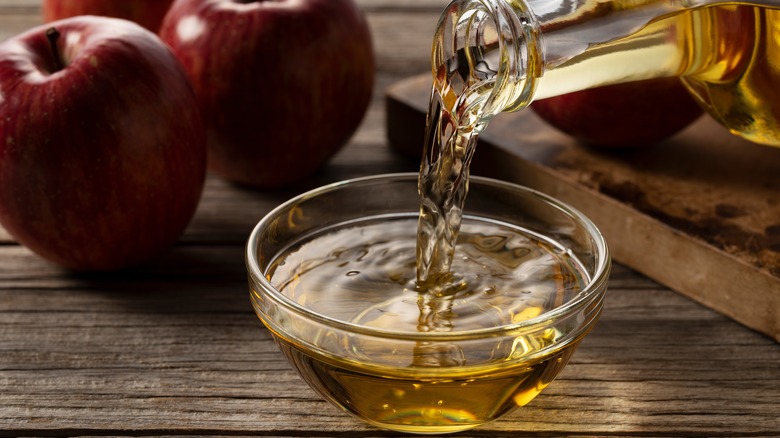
(366,274)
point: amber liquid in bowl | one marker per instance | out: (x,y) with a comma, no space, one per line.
(364,273)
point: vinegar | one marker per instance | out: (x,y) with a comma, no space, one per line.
(728,56)
(363,272)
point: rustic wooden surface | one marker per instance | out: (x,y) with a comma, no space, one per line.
(699,212)
(173,348)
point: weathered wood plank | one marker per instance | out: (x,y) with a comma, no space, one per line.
(162,348)
(16,23)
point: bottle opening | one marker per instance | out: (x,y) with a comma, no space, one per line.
(486,55)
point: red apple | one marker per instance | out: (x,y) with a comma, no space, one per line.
(147,13)
(282,84)
(102,146)
(623,115)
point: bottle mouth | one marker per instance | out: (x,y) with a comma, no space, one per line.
(487,49)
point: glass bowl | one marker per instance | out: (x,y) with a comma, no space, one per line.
(332,276)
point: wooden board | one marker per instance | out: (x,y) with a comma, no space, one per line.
(699,213)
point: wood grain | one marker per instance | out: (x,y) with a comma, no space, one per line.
(173,348)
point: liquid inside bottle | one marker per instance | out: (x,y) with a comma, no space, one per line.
(728,56)
(735,71)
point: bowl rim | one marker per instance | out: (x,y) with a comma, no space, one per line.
(593,291)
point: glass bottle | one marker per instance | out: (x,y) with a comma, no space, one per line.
(491,56)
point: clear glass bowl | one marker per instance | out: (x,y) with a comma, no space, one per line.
(372,353)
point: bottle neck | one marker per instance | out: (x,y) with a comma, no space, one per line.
(522,50)
(486,56)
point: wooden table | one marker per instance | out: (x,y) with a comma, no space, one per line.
(173,347)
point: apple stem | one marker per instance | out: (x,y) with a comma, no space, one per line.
(53,35)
